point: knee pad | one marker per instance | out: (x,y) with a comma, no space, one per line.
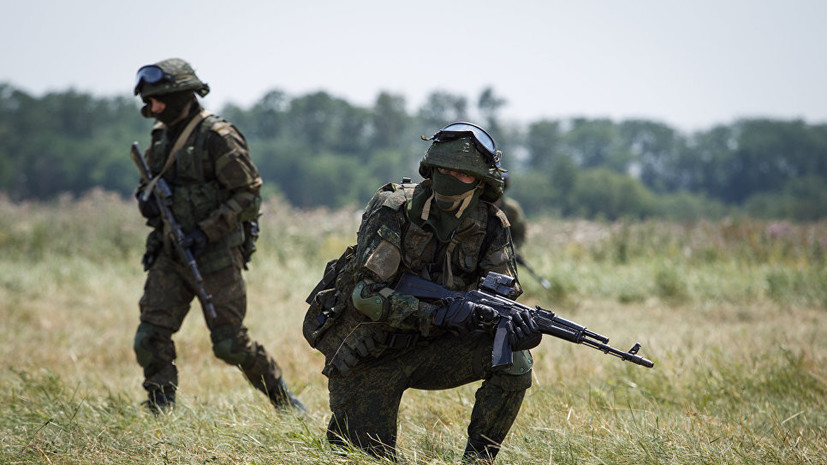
(226,350)
(517,377)
(522,363)
(143,352)
(230,345)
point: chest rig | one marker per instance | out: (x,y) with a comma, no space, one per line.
(196,190)
(347,337)
(454,264)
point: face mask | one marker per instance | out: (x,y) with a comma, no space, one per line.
(451,194)
(176,104)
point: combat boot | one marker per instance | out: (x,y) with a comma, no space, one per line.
(480,451)
(282,399)
(160,400)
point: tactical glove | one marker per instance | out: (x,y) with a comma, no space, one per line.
(196,241)
(461,315)
(523,331)
(148,208)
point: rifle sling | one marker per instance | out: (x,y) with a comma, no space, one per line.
(179,142)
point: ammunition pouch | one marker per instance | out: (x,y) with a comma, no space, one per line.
(326,303)
(332,327)
(154,245)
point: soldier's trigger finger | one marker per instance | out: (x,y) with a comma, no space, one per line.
(532,325)
(525,322)
(513,331)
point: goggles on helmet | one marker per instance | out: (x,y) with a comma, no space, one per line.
(152,74)
(481,139)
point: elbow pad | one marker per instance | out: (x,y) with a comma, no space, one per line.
(369,304)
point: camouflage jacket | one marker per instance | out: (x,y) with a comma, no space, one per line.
(389,244)
(215,187)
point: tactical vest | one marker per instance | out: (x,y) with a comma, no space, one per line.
(347,337)
(196,189)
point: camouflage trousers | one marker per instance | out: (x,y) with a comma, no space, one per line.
(365,403)
(168,294)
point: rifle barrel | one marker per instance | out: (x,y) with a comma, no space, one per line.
(626,356)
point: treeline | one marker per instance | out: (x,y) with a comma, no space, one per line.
(319,150)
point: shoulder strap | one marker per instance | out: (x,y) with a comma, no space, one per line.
(185,134)
(179,142)
(491,227)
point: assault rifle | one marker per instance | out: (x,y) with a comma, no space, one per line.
(494,291)
(159,189)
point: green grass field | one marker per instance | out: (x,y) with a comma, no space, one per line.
(733,313)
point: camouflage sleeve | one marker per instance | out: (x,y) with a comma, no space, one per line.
(379,258)
(499,256)
(236,173)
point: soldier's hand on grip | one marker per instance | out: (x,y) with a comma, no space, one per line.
(196,241)
(523,332)
(148,208)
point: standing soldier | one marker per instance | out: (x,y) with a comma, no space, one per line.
(378,342)
(215,186)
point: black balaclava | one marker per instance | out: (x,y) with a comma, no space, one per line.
(176,104)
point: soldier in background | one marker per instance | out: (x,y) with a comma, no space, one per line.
(514,212)
(378,342)
(205,161)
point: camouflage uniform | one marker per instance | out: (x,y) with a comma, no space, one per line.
(514,212)
(371,359)
(215,188)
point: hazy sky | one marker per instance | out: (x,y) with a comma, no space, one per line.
(690,64)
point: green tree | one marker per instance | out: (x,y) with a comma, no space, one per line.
(441,108)
(601,192)
(489,105)
(652,146)
(320,120)
(590,142)
(545,145)
(389,120)
(803,199)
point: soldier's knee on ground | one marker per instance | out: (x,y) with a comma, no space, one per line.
(144,351)
(230,346)
(336,433)
(340,435)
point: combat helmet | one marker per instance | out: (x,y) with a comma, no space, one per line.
(168,76)
(466,147)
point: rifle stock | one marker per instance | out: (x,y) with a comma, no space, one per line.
(494,291)
(163,199)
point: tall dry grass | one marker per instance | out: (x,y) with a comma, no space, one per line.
(733,313)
